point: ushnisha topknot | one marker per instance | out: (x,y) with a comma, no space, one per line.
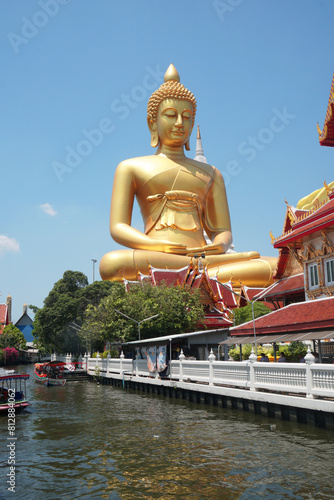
(170,89)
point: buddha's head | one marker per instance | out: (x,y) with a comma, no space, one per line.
(171,97)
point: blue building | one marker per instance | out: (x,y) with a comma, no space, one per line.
(25,325)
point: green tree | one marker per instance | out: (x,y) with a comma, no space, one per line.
(12,337)
(65,305)
(244,314)
(294,349)
(179,310)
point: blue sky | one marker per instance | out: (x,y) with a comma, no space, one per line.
(261,73)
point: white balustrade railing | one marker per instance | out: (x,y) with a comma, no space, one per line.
(141,368)
(309,378)
(231,373)
(67,358)
(280,376)
(322,380)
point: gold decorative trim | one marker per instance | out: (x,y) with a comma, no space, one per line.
(313,294)
(310,252)
(321,273)
(296,253)
(327,246)
(329,290)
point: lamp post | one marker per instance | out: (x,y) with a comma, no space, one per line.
(138,322)
(250,302)
(77,328)
(94,262)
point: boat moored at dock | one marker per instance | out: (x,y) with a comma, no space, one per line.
(13,390)
(50,373)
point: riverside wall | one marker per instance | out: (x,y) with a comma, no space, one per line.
(316,412)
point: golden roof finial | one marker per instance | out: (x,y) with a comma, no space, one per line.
(328,189)
(272,237)
(171,74)
(291,214)
(198,133)
(319,130)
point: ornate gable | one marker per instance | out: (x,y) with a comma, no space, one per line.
(326,135)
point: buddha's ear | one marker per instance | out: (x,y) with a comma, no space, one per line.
(187,144)
(154,132)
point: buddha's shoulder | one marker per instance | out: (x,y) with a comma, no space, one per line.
(205,167)
(138,162)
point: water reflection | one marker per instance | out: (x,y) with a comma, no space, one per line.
(87,441)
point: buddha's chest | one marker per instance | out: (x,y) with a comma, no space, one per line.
(175,178)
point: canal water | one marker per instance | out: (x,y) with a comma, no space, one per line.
(86,441)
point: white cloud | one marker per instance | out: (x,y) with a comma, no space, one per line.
(8,244)
(48,209)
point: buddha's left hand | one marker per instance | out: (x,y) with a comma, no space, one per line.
(207,250)
(220,245)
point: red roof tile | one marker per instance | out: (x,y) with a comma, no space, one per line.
(285,286)
(293,318)
(225,291)
(169,276)
(3,317)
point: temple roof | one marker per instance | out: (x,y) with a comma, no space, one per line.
(3,317)
(217,319)
(286,264)
(286,286)
(297,317)
(217,298)
(225,292)
(326,135)
(170,276)
(311,222)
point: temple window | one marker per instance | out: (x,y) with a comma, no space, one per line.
(313,276)
(329,270)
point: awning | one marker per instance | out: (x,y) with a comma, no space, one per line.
(167,338)
(237,340)
(283,337)
(261,339)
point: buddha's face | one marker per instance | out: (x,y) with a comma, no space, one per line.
(174,122)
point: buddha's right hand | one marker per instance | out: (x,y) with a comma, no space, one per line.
(166,247)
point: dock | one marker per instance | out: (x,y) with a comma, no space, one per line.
(301,392)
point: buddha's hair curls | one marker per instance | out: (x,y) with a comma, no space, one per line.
(169,90)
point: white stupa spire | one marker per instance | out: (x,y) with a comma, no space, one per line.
(199,156)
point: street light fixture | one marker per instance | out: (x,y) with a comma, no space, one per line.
(138,322)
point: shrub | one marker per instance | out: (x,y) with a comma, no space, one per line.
(291,351)
(114,353)
(11,355)
(246,352)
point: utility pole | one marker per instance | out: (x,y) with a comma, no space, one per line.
(94,262)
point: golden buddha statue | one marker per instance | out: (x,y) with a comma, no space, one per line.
(180,200)
(315,198)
